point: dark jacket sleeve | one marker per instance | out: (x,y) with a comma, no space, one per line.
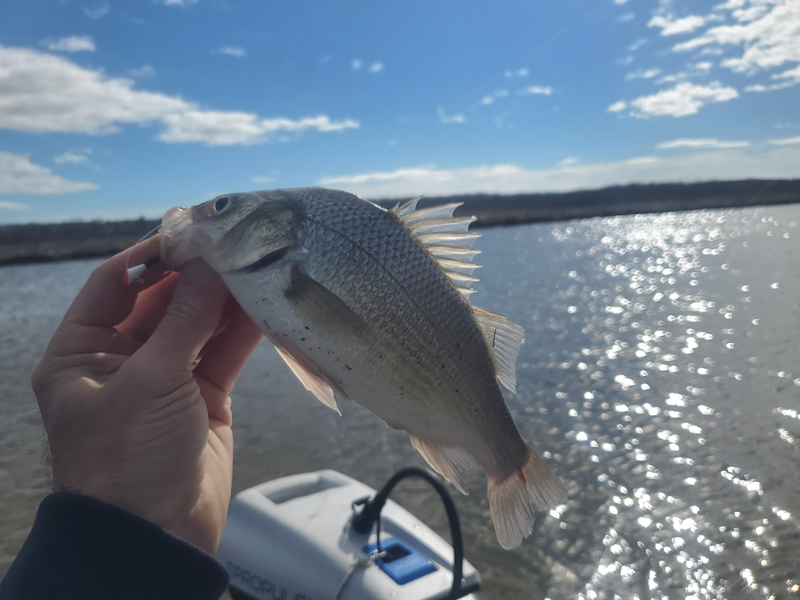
(81,548)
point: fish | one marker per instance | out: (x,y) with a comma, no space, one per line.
(373,305)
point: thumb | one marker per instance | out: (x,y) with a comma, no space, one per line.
(190,321)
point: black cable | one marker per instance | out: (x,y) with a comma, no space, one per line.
(371,513)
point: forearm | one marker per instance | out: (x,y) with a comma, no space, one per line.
(81,548)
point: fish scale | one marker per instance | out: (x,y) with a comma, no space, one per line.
(417,279)
(355,301)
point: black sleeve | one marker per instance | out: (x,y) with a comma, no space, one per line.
(81,548)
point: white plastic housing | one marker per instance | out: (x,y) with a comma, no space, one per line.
(290,539)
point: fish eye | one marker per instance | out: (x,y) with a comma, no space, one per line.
(221,204)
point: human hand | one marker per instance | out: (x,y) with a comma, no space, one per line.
(128,419)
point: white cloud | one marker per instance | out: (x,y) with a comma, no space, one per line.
(768,31)
(625,60)
(73,156)
(701,143)
(231,51)
(637,44)
(46,93)
(617,106)
(179,2)
(144,72)
(789,78)
(626,18)
(682,100)
(18,175)
(569,161)
(503,121)
(700,69)
(12,205)
(642,74)
(669,25)
(97,12)
(490,98)
(356,64)
(793,75)
(75,43)
(445,118)
(217,128)
(376,67)
(544,90)
(783,162)
(785,141)
(620,1)
(521,72)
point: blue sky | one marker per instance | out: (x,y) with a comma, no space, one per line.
(112,109)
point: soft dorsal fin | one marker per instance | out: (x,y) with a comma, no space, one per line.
(311,381)
(503,338)
(445,238)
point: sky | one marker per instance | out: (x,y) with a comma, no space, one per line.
(115,109)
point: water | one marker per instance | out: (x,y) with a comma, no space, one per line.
(660,377)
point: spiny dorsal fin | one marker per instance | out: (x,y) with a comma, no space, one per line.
(440,225)
(403,209)
(458,254)
(445,238)
(503,338)
(449,461)
(457,266)
(439,211)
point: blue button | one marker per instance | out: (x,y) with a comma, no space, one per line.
(401,563)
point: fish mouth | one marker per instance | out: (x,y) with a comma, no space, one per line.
(178,238)
(175,220)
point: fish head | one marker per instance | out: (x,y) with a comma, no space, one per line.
(232,231)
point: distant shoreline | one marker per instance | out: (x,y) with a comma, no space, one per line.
(35,243)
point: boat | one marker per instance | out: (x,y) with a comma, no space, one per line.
(314,536)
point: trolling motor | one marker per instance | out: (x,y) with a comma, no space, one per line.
(326,536)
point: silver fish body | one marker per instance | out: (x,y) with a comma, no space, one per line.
(358,301)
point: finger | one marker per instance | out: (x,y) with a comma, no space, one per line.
(189,322)
(228,313)
(73,340)
(225,356)
(105,300)
(150,308)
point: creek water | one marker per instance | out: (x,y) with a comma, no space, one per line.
(659,378)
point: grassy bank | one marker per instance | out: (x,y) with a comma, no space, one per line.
(62,241)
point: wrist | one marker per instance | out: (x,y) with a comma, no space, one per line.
(80,547)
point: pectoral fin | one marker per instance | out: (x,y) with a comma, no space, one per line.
(312,382)
(321,305)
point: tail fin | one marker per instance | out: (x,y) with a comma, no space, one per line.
(513,501)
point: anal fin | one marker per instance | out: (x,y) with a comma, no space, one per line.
(449,461)
(311,381)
